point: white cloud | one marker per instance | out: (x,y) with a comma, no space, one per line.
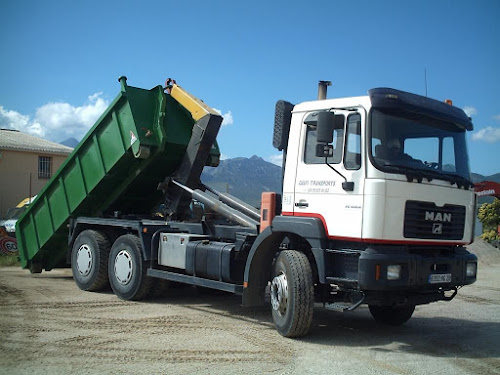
(57,121)
(16,121)
(64,120)
(497,117)
(489,134)
(276,159)
(227,117)
(9,119)
(470,111)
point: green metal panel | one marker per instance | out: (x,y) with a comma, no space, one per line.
(72,182)
(91,164)
(112,145)
(58,204)
(138,141)
(43,224)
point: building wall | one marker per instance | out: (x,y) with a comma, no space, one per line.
(19,176)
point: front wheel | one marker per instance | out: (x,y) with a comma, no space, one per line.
(128,270)
(292,294)
(392,315)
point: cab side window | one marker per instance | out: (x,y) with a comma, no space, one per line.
(352,158)
(338,142)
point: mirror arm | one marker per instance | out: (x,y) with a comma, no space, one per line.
(346,185)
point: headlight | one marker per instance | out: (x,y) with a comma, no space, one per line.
(471,270)
(394,272)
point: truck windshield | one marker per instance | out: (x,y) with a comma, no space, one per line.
(418,146)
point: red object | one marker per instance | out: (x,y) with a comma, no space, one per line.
(8,245)
(487,188)
(267,210)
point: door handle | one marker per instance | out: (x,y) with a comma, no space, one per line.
(302,204)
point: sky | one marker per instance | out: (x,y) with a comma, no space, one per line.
(60,60)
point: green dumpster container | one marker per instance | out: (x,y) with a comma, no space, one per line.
(138,141)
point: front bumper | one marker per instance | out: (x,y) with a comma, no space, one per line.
(418,272)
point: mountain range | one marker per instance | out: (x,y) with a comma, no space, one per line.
(70,142)
(478,177)
(245,178)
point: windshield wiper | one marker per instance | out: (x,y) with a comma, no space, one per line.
(453,178)
(411,173)
(460,181)
(418,174)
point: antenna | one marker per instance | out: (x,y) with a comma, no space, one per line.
(425,79)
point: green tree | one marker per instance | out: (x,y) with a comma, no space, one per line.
(489,215)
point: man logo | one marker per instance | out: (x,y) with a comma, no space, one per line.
(437,228)
(437,216)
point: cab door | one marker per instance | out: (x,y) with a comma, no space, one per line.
(319,190)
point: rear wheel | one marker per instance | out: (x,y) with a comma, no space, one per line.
(392,315)
(128,270)
(89,260)
(292,294)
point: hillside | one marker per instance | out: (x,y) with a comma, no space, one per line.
(478,177)
(245,178)
(70,142)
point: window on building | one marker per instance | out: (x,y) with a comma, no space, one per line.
(44,167)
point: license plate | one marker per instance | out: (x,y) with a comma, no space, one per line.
(438,278)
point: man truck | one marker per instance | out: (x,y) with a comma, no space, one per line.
(376,206)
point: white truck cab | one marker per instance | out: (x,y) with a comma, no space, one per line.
(408,172)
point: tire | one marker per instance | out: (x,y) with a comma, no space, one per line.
(89,260)
(392,315)
(282,120)
(292,294)
(128,270)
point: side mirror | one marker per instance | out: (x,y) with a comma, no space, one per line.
(325,126)
(324,150)
(325,123)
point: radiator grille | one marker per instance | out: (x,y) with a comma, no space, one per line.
(426,220)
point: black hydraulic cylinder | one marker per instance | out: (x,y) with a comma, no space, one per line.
(224,209)
(219,207)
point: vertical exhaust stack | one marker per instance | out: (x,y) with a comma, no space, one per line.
(123,82)
(322,87)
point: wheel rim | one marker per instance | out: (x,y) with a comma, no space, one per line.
(84,260)
(279,294)
(123,267)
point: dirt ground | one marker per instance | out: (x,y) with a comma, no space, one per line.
(49,326)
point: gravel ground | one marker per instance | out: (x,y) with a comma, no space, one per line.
(49,326)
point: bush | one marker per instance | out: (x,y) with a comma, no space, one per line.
(489,215)
(9,261)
